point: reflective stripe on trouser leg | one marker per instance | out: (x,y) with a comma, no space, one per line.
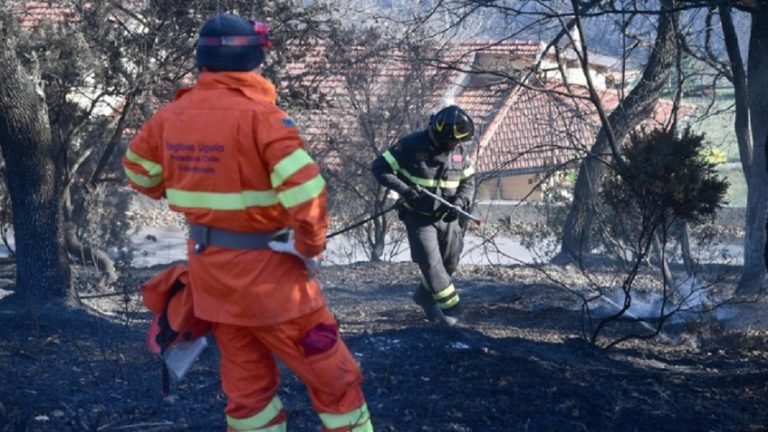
(447,298)
(331,374)
(425,251)
(250,378)
(270,419)
(451,239)
(358,420)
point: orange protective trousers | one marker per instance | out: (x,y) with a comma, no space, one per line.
(251,378)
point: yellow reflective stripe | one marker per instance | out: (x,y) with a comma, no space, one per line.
(221,200)
(280,427)
(450,303)
(458,135)
(439,125)
(391,161)
(302,193)
(143,180)
(445,184)
(365,427)
(289,166)
(257,422)
(467,173)
(445,293)
(154,169)
(359,419)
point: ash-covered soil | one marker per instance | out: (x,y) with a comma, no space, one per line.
(518,362)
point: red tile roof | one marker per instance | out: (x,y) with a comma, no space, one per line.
(33,13)
(521,129)
(504,47)
(539,126)
(525,130)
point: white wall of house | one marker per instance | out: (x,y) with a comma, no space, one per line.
(509,188)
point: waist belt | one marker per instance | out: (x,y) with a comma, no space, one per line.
(204,235)
(436,214)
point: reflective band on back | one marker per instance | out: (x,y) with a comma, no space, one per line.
(143,180)
(289,166)
(154,169)
(359,419)
(302,193)
(221,200)
(258,421)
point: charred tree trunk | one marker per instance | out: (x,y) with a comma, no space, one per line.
(753,272)
(87,254)
(378,234)
(42,269)
(576,240)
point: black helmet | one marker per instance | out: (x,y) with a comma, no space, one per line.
(451,124)
(231,43)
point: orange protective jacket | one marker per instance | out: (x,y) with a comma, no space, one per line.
(225,156)
(159,297)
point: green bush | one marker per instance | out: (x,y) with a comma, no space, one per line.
(665,176)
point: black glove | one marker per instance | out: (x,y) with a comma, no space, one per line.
(452,214)
(412,194)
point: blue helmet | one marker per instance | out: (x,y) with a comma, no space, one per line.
(231,43)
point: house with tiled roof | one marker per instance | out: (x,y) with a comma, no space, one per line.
(529,125)
(34,13)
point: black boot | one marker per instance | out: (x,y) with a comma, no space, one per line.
(452,315)
(423,298)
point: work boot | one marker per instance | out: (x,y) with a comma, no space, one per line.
(452,315)
(423,298)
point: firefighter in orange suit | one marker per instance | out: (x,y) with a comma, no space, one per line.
(223,154)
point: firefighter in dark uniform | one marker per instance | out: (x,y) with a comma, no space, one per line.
(433,159)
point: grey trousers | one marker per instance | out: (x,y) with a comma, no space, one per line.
(435,247)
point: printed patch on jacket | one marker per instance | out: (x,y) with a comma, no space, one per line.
(421,156)
(458,158)
(288,122)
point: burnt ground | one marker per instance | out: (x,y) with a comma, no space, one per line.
(517,363)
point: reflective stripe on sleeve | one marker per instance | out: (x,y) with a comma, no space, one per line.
(289,166)
(263,417)
(302,193)
(359,419)
(143,180)
(154,169)
(467,173)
